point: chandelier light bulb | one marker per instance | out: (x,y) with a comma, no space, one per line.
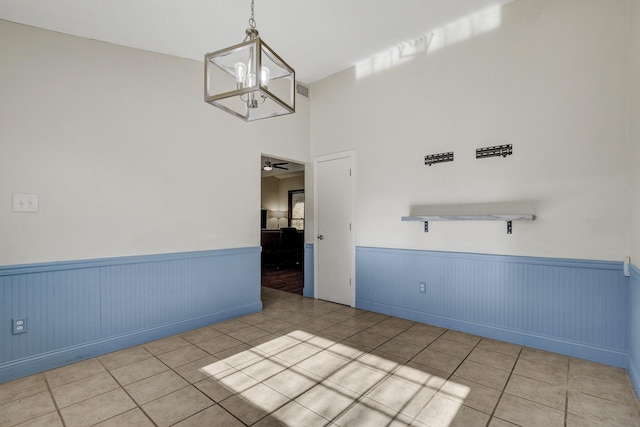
(241,71)
(265,75)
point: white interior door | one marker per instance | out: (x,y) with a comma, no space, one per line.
(334,241)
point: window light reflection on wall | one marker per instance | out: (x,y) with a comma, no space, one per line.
(447,35)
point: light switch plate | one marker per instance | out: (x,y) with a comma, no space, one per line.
(25,202)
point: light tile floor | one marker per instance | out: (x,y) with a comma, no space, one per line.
(304,362)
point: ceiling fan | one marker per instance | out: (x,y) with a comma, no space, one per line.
(270,166)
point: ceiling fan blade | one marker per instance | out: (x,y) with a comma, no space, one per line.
(281,163)
(280,167)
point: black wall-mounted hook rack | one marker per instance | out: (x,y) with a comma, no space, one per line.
(438,158)
(495,151)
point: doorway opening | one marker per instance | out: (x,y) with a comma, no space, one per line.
(282,224)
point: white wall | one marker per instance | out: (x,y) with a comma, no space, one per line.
(551,80)
(635,132)
(125,155)
(127,159)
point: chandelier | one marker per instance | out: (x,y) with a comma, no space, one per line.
(249,80)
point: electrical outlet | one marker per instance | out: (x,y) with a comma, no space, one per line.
(19,325)
(422,287)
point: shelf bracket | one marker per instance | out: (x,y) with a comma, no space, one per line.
(509,227)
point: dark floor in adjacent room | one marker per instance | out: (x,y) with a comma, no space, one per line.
(288,279)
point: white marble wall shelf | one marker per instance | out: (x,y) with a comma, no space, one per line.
(516,211)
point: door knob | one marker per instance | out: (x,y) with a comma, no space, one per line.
(320,237)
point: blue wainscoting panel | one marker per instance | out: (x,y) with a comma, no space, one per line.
(307,291)
(634,327)
(574,307)
(81,309)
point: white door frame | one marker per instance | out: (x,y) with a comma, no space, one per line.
(351,155)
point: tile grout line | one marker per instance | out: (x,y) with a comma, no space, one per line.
(361,395)
(189,384)
(322,381)
(59,409)
(513,368)
(53,399)
(269,355)
(634,394)
(127,393)
(370,388)
(566,396)
(459,365)
(439,387)
(451,374)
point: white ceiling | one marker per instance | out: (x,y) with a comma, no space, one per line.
(316,37)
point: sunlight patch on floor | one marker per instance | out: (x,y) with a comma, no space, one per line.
(361,386)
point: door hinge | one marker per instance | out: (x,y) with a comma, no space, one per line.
(349,172)
(349,281)
(349,226)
